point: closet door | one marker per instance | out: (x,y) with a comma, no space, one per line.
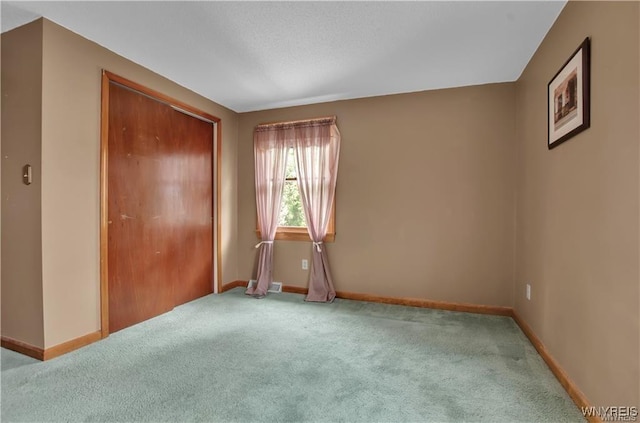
(190,202)
(159,207)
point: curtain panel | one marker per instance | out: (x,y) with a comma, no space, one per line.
(270,153)
(317,150)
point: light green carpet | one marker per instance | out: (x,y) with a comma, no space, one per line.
(235,358)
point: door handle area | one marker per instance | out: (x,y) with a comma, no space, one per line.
(27,174)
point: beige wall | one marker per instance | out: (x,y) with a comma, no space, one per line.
(425,196)
(21,220)
(71,79)
(577,207)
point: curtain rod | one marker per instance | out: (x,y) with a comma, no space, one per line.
(293,122)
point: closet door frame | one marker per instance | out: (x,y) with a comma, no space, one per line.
(107,79)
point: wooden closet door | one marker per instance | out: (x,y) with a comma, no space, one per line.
(159,190)
(191,206)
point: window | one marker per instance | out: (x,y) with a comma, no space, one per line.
(291,212)
(292,225)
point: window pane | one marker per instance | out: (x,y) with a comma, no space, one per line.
(291,171)
(291,213)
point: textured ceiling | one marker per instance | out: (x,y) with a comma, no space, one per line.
(260,55)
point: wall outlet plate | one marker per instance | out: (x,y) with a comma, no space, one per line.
(528,292)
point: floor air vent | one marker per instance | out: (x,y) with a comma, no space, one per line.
(275,287)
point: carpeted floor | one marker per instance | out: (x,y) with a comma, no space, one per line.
(233,358)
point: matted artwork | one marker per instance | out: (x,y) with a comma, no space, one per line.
(568,97)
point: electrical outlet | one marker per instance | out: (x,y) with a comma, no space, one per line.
(528,293)
(305,264)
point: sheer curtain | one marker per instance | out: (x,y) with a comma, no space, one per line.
(317,147)
(270,154)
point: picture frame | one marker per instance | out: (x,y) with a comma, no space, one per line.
(569,97)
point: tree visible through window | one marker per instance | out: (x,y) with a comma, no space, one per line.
(291,212)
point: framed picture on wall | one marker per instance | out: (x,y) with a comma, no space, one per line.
(568,97)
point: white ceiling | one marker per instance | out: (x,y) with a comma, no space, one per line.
(260,55)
